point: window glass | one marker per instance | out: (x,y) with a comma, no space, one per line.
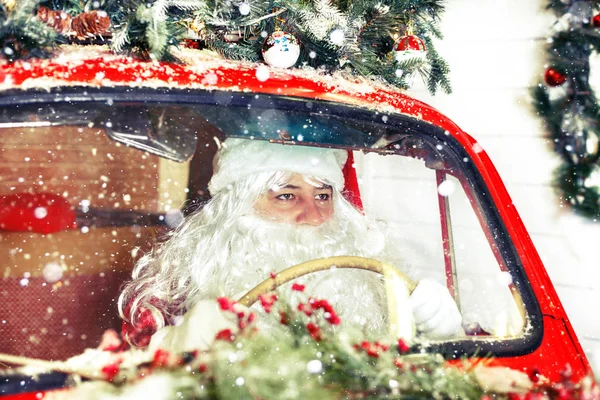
(408,196)
(79,208)
(487,296)
(75,208)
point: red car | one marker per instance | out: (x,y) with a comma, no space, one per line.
(100,152)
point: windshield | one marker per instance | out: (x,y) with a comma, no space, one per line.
(89,187)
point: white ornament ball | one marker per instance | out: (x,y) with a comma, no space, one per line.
(281,50)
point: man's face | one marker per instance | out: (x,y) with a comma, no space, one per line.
(298,202)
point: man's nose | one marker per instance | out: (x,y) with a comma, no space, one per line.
(310,214)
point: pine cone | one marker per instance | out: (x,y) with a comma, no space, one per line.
(90,24)
(59,20)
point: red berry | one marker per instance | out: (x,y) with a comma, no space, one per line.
(283,318)
(110,371)
(225,335)
(314,331)
(333,319)
(225,303)
(267,301)
(298,287)
(372,352)
(160,359)
(534,375)
(402,346)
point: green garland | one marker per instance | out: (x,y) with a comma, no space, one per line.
(568,104)
(309,358)
(152,29)
(22,34)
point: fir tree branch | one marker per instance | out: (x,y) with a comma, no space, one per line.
(188,5)
(256,20)
(572,116)
(233,51)
(120,38)
(320,19)
(23,35)
(364,45)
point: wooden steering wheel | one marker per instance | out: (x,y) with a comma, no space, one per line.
(398,287)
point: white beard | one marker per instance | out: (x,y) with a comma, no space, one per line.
(258,247)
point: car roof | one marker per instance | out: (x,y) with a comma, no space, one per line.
(98,67)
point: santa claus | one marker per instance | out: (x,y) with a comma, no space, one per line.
(273,206)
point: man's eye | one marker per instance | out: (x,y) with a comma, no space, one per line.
(285,196)
(323,196)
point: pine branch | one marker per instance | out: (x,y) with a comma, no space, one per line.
(22,35)
(438,76)
(321,19)
(71,7)
(188,5)
(234,51)
(572,116)
(120,38)
(334,34)
(149,29)
(378,22)
(157,32)
(430,28)
(438,72)
(570,180)
(422,8)
(411,65)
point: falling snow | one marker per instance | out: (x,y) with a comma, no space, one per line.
(446,188)
(314,367)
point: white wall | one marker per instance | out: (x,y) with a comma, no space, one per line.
(496,52)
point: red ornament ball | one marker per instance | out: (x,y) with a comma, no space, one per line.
(554,77)
(596,21)
(410,47)
(410,42)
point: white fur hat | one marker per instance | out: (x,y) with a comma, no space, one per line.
(240,158)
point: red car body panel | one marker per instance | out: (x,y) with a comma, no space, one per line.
(559,346)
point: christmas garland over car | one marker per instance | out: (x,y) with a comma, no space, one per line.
(390,40)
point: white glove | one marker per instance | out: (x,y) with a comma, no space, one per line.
(435,312)
(197,331)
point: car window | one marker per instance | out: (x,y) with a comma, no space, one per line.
(76,206)
(449,246)
(60,286)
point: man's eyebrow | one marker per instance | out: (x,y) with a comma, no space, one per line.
(293,187)
(324,187)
